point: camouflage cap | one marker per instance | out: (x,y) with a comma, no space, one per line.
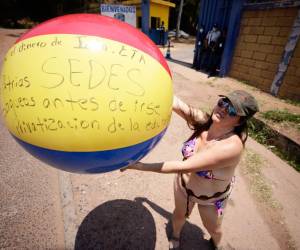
(244,103)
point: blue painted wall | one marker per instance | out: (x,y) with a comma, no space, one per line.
(227,15)
(145,16)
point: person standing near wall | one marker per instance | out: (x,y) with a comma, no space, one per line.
(199,48)
(162,34)
(217,54)
(211,40)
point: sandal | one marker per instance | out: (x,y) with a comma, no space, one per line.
(174,243)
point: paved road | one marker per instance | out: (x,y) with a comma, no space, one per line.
(183,52)
(30,207)
(144,201)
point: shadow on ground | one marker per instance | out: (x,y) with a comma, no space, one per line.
(15,35)
(190,65)
(191,235)
(125,224)
(117,224)
(186,64)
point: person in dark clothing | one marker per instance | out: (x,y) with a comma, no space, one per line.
(211,43)
(162,34)
(217,55)
(199,48)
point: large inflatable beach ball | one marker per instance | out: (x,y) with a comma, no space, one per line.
(86,93)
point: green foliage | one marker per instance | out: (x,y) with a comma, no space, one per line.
(189,18)
(266,137)
(25,14)
(293,102)
(281,116)
(26,23)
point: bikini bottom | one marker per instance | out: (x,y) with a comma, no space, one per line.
(218,199)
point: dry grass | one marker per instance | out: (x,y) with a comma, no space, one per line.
(259,186)
(261,189)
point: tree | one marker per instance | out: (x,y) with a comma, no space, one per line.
(189,16)
(179,19)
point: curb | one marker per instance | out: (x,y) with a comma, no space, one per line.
(275,140)
(68,209)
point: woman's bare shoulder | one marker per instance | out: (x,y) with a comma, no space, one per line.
(233,143)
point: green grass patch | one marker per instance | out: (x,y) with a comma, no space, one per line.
(293,102)
(281,116)
(268,137)
(246,82)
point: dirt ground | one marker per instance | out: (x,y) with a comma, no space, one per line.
(131,210)
(30,205)
(250,223)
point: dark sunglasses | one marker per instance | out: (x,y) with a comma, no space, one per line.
(224,103)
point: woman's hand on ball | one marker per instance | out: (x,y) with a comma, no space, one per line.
(135,166)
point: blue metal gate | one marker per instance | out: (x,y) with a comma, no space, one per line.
(227,15)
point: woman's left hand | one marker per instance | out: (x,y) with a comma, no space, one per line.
(135,166)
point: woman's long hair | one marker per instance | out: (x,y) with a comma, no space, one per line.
(200,126)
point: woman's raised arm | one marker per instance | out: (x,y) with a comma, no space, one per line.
(187,112)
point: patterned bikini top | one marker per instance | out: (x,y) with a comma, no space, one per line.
(188,149)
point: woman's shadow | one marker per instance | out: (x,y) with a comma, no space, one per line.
(117,224)
(125,224)
(191,235)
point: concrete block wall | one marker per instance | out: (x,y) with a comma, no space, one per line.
(263,36)
(291,84)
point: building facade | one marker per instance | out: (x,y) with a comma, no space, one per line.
(261,44)
(159,12)
(260,48)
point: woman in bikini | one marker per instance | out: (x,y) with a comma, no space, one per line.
(210,156)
